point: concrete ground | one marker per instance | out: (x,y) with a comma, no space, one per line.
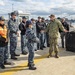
(65,65)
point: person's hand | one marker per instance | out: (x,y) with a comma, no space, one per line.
(66,30)
(6,40)
(17,34)
(42,31)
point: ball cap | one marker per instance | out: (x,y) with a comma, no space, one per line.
(2,18)
(28,22)
(52,15)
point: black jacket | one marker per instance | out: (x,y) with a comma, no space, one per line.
(22,28)
(39,26)
(65,25)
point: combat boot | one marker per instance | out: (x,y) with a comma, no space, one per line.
(2,66)
(13,57)
(30,64)
(7,63)
(49,56)
(32,67)
(56,55)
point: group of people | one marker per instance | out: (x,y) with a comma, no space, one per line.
(35,35)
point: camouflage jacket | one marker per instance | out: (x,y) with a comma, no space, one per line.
(30,34)
(13,25)
(53,28)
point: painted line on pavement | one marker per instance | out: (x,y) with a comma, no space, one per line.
(20,67)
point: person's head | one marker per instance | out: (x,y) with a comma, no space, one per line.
(29,24)
(13,15)
(43,19)
(33,20)
(2,20)
(39,19)
(24,19)
(52,17)
(63,20)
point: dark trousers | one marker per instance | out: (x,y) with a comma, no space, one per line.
(63,39)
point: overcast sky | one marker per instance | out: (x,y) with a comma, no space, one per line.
(40,7)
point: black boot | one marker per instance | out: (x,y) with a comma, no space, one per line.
(7,63)
(41,48)
(30,64)
(2,66)
(31,67)
(13,57)
(16,54)
(24,53)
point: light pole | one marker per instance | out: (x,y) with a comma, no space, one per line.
(12,7)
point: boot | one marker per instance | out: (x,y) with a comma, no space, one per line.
(30,64)
(7,63)
(13,57)
(31,67)
(49,56)
(56,55)
(16,54)
(2,66)
(24,53)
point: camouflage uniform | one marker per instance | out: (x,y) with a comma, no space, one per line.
(30,44)
(2,49)
(53,30)
(13,28)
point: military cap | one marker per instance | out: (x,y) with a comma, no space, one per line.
(28,23)
(2,18)
(24,17)
(13,13)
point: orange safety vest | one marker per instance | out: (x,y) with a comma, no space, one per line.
(3,32)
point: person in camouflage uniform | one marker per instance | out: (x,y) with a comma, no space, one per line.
(53,30)
(13,33)
(30,44)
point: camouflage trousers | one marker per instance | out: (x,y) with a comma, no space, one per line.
(30,47)
(6,53)
(53,45)
(2,49)
(13,45)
